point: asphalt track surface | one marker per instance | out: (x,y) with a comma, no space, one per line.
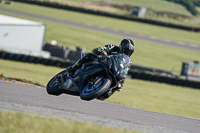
(34,99)
(108,30)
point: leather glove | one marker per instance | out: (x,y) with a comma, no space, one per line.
(102,53)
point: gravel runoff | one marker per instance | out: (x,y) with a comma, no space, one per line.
(73,116)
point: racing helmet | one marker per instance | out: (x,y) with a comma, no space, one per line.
(127,46)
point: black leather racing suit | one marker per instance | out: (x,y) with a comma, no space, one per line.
(109,49)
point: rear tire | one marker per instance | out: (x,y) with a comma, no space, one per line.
(53,85)
(100,89)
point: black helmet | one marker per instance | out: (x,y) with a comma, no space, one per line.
(127,46)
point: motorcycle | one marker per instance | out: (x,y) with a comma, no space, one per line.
(94,79)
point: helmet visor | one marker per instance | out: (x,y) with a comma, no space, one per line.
(128,51)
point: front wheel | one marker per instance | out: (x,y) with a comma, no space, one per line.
(95,88)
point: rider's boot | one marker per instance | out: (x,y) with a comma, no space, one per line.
(72,69)
(88,57)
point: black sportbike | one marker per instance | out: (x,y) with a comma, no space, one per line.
(94,79)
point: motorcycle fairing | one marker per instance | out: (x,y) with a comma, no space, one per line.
(115,65)
(91,70)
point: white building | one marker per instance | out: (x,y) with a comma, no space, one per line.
(21,36)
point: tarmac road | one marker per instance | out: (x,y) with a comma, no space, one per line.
(34,99)
(104,29)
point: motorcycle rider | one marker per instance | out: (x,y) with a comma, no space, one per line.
(126,46)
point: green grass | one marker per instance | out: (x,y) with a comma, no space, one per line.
(36,73)
(27,123)
(160,98)
(161,6)
(116,24)
(158,5)
(146,53)
(144,95)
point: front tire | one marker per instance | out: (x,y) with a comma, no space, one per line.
(90,92)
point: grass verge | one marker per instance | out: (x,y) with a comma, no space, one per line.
(146,53)
(151,96)
(26,123)
(157,5)
(161,98)
(116,24)
(18,79)
(140,94)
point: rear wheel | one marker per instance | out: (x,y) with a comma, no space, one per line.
(53,85)
(95,88)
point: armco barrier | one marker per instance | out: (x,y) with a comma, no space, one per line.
(149,21)
(167,80)
(134,75)
(153,70)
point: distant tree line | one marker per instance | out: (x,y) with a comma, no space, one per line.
(190,5)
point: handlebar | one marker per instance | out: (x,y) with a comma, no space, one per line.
(101,58)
